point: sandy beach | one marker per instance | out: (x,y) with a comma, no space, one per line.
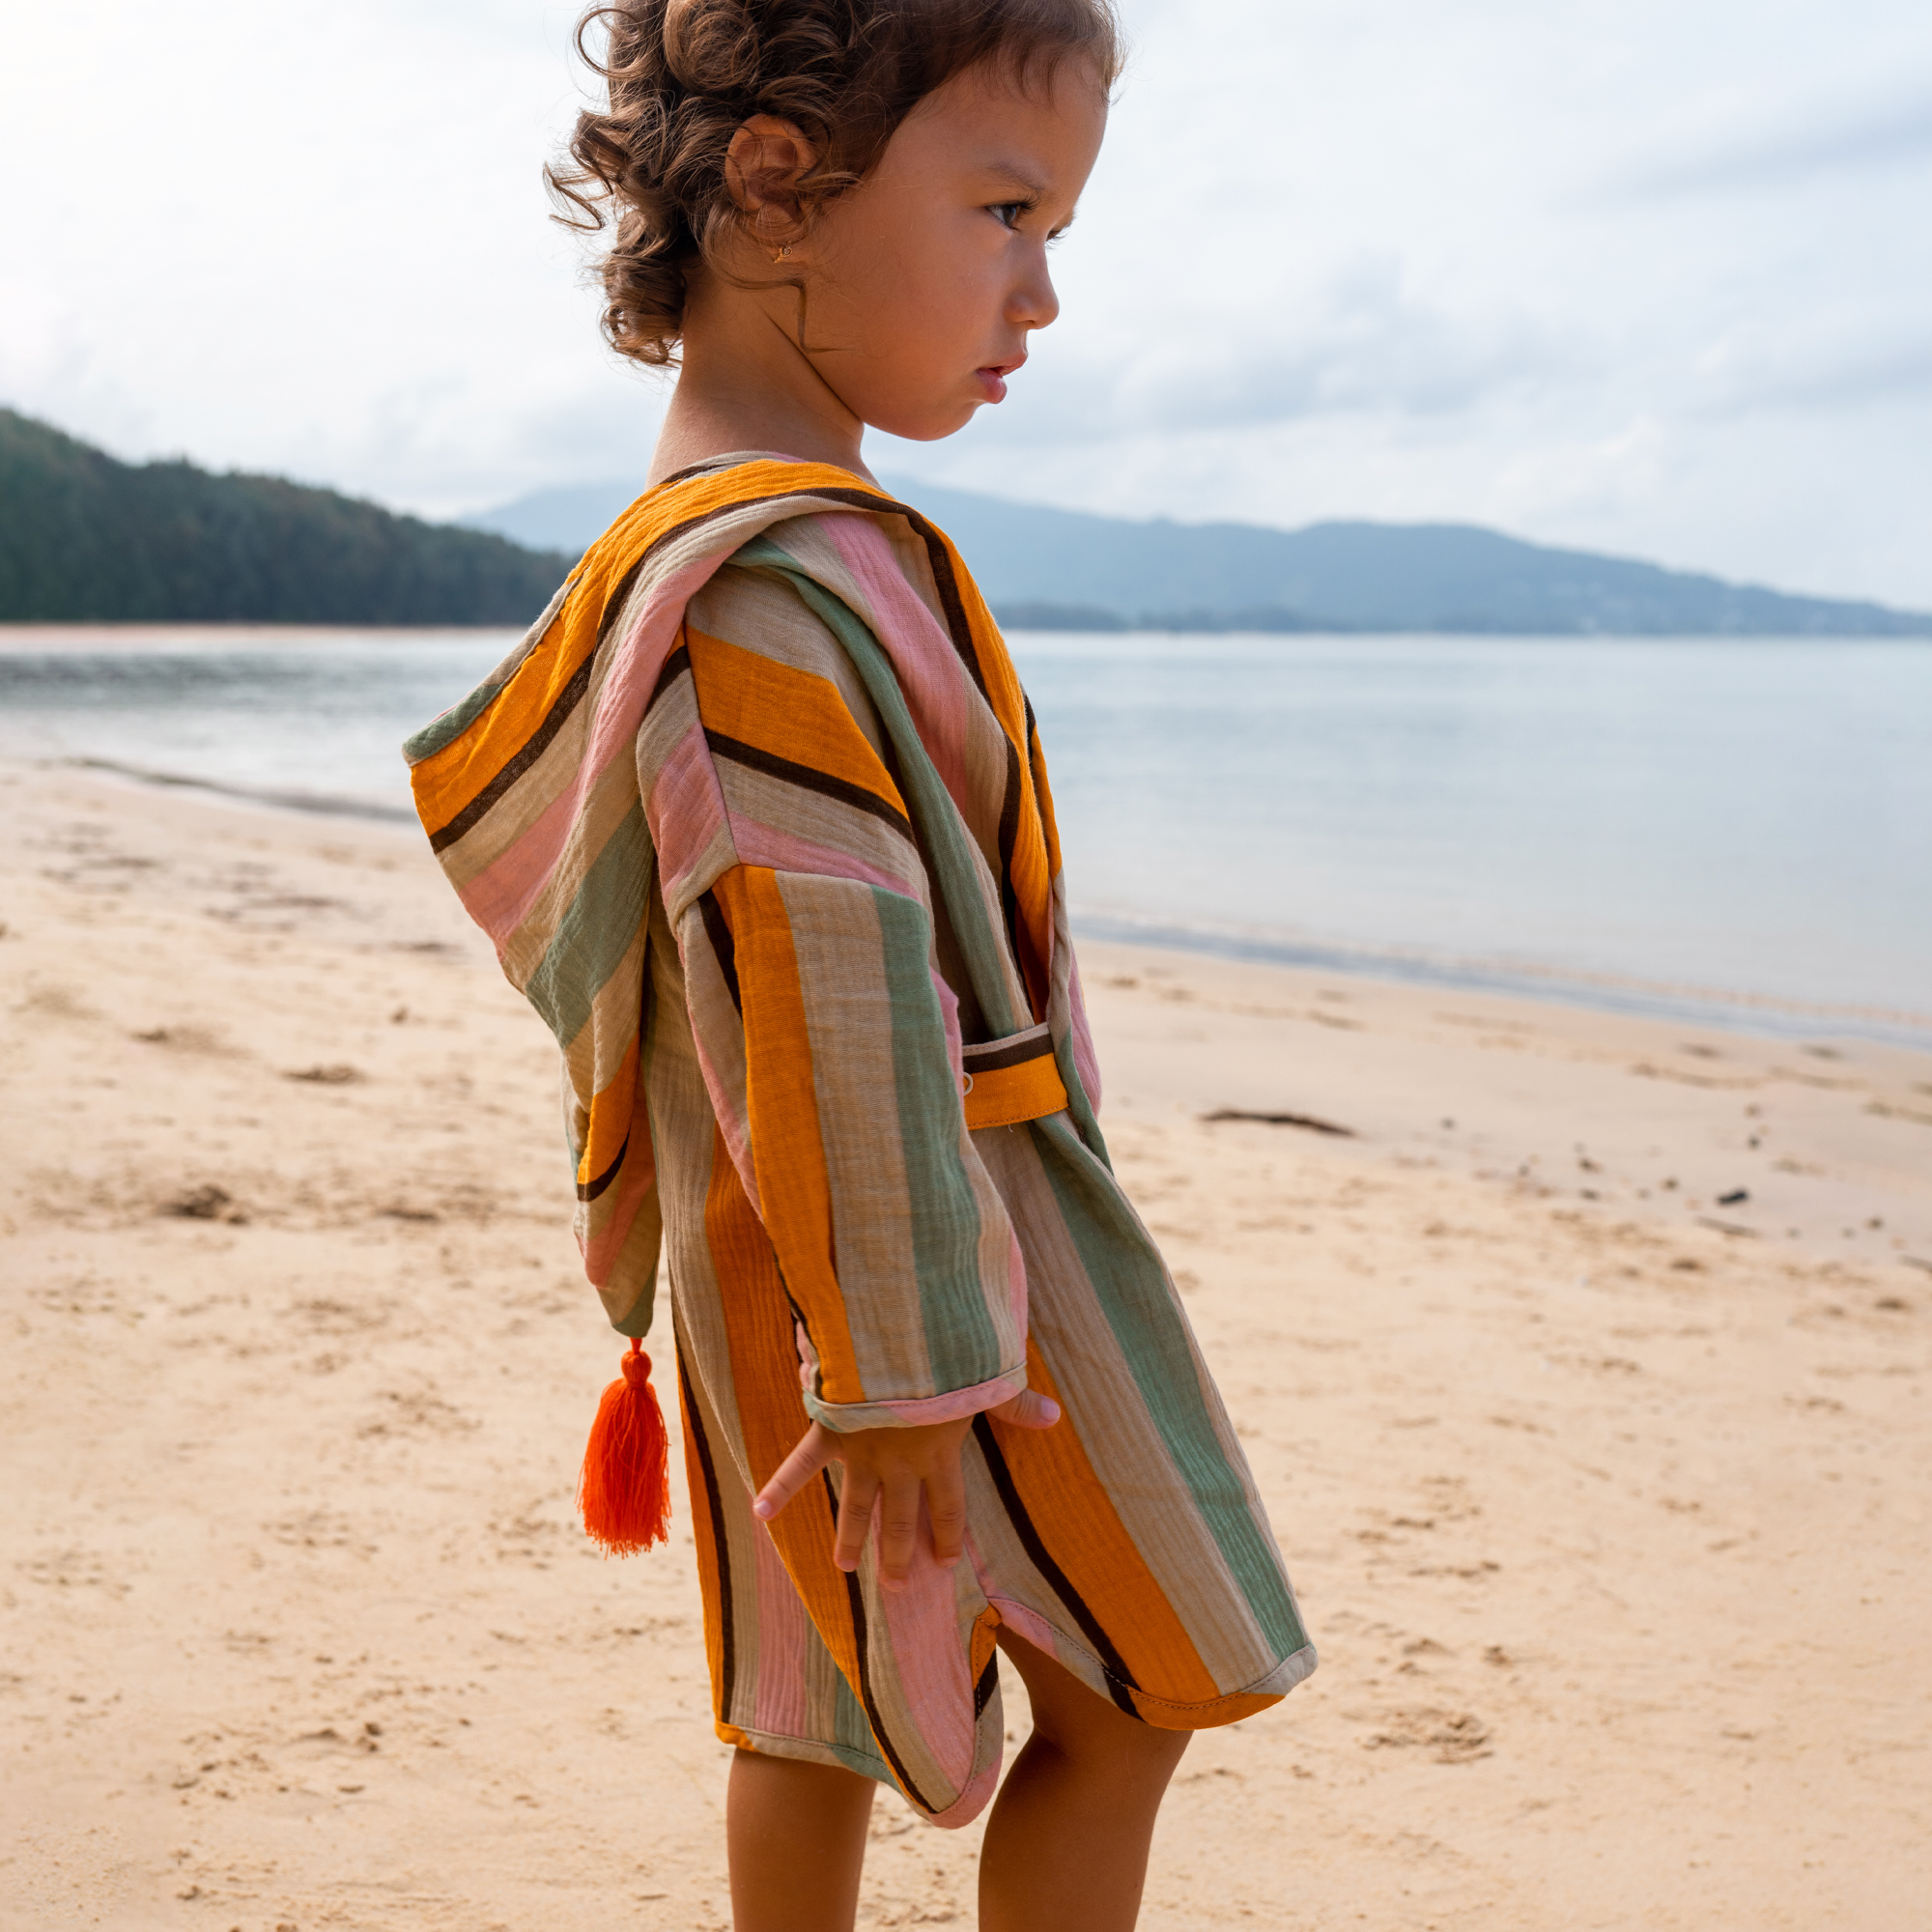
(1584,1375)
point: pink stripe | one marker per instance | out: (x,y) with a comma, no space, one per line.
(761,844)
(970,1802)
(922,1623)
(736,1128)
(685,810)
(634,1182)
(949,1407)
(500,897)
(949,1013)
(1026,1623)
(778,1702)
(938,691)
(1085,1062)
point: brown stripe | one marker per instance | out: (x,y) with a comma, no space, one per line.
(675,666)
(727,1658)
(808,779)
(723,947)
(1119,1680)
(990,1682)
(532,749)
(957,624)
(856,1600)
(1000,1053)
(589,1190)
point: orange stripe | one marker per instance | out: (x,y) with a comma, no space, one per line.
(445,783)
(1228,1710)
(611,1112)
(1077,1520)
(794,1192)
(1006,1095)
(1048,824)
(1030,869)
(790,713)
(771,1416)
(707,1560)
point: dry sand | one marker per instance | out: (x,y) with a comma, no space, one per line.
(1608,1504)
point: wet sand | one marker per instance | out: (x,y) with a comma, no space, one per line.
(1606,1497)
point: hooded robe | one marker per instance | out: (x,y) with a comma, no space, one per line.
(758,819)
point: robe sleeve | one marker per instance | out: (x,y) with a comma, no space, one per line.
(828,1035)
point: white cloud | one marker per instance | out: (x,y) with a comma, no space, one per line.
(1621,273)
(1889,131)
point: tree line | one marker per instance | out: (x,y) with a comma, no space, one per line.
(85,536)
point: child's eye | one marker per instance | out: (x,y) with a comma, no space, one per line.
(1007,213)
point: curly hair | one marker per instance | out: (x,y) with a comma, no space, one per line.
(684,74)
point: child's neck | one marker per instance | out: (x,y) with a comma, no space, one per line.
(744,385)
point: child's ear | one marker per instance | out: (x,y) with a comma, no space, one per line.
(766,160)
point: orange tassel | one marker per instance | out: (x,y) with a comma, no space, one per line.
(624,1494)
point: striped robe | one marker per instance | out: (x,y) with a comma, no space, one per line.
(757,818)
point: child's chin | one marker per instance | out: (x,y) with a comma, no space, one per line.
(928,424)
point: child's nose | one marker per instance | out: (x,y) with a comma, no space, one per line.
(1035,302)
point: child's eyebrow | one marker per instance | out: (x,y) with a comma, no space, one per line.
(1015,176)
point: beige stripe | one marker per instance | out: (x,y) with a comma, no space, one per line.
(594,1056)
(797,811)
(740,1526)
(522,806)
(710,1013)
(763,614)
(835,936)
(983,756)
(1147,1491)
(603,811)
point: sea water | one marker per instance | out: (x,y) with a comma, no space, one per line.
(1734,829)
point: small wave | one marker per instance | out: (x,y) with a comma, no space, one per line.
(325,803)
(1761,1013)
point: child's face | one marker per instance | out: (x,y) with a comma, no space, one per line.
(926,279)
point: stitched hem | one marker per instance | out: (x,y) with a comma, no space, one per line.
(1274,1684)
(814,1751)
(946,1407)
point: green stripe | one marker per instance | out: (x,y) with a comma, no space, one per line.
(451,725)
(852,1735)
(1131,1287)
(960,1342)
(1079,1108)
(948,845)
(599,927)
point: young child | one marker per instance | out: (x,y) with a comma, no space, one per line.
(759,821)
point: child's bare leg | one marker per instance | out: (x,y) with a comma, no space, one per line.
(795,1834)
(1067,1846)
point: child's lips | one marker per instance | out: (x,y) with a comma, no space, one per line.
(993,379)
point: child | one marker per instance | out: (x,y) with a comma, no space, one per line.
(758,820)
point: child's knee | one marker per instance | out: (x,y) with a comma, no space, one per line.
(1092,1733)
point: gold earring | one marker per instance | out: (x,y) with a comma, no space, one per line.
(784,255)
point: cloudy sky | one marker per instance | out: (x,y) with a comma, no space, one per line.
(1652,276)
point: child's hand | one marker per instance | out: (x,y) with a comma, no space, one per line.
(896,1466)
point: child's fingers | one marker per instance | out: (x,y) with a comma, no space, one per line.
(815,1448)
(945,1504)
(1030,1409)
(856,1499)
(898,1530)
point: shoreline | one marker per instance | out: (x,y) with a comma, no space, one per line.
(1765,1015)
(1574,1455)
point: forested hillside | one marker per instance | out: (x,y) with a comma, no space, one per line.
(85,536)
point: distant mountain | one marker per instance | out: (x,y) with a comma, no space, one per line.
(1063,569)
(85,536)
